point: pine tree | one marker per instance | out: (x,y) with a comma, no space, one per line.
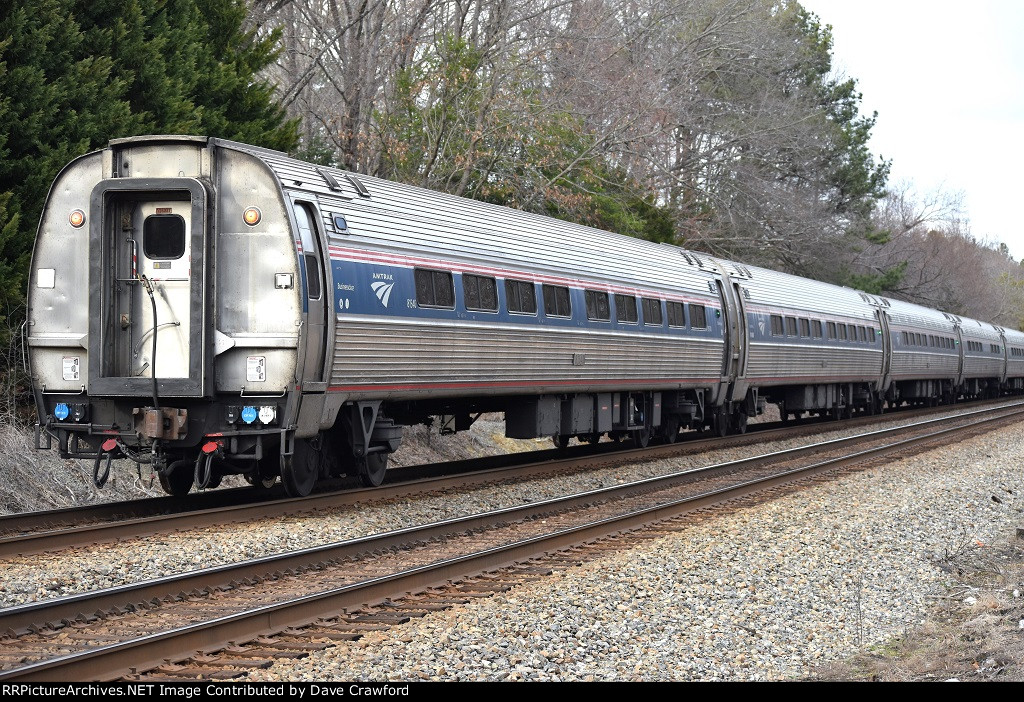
(76,73)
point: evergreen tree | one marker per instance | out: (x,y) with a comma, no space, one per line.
(76,73)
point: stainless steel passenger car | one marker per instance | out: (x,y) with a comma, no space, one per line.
(210,308)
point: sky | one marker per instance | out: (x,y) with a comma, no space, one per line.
(947,81)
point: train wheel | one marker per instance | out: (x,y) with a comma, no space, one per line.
(300,470)
(561,441)
(594,438)
(176,479)
(671,434)
(259,482)
(720,422)
(641,437)
(371,468)
(740,422)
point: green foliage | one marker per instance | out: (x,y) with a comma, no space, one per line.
(76,73)
(878,283)
(12,261)
(456,126)
(427,130)
(857,180)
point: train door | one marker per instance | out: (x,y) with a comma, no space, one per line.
(743,340)
(734,324)
(162,264)
(315,303)
(959,335)
(149,298)
(886,368)
(1004,357)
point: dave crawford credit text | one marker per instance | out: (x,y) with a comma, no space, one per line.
(213,689)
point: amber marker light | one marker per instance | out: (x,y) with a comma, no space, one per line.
(252,216)
(77,218)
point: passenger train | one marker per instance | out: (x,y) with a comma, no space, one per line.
(214,308)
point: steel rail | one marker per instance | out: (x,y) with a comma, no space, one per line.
(105,532)
(19,523)
(116,659)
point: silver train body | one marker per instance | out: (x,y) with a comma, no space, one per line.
(211,307)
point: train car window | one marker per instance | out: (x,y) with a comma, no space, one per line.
(312,277)
(864,334)
(777,329)
(652,311)
(816,328)
(597,305)
(995,349)
(435,289)
(556,301)
(791,326)
(805,327)
(698,317)
(625,309)
(481,293)
(832,330)
(521,297)
(163,237)
(676,317)
(842,332)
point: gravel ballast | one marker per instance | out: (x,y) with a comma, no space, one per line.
(43,576)
(764,592)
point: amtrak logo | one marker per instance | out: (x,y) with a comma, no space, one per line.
(382,291)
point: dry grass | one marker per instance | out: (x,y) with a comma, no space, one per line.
(33,480)
(973,633)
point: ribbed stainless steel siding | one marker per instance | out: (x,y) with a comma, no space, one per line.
(918,364)
(420,356)
(410,220)
(780,364)
(985,365)
(416,221)
(1014,364)
(783,293)
(915,318)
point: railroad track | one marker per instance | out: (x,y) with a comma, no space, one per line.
(243,615)
(38,532)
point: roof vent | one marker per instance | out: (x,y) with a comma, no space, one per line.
(329,178)
(360,188)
